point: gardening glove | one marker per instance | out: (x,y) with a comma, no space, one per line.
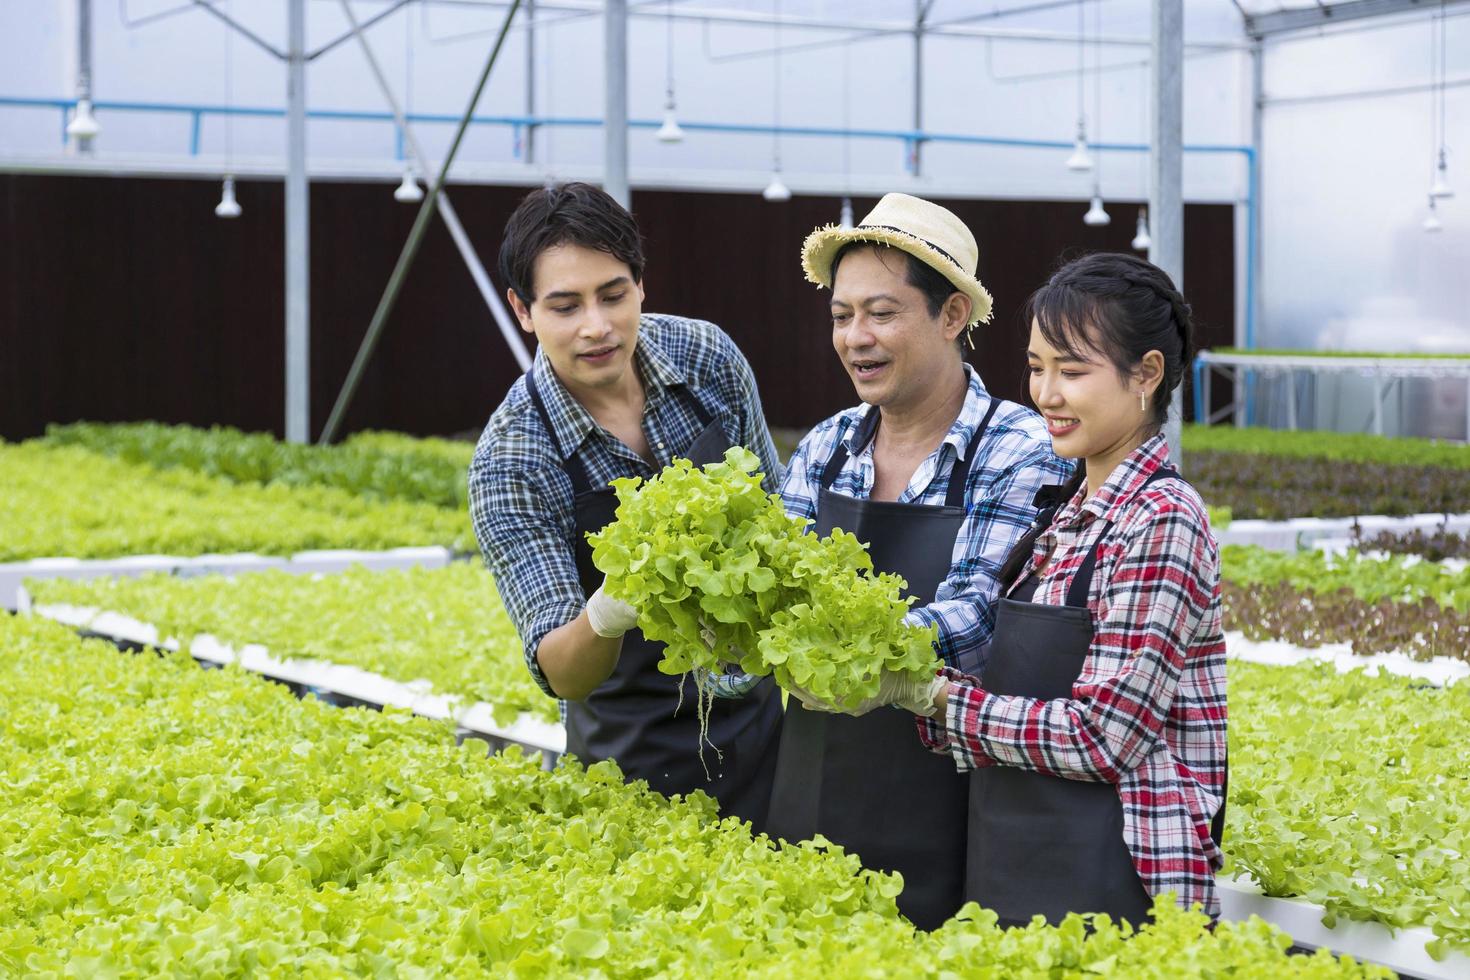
(731,683)
(610,617)
(904,691)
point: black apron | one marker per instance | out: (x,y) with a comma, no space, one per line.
(635,716)
(868,783)
(1042,844)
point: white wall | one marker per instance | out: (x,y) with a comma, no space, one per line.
(967,90)
(1346,260)
(1344,181)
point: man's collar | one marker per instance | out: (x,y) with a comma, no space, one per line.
(976,404)
(658,372)
(569,417)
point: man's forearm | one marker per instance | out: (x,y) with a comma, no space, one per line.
(575,660)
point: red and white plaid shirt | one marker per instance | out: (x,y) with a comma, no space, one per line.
(1147,712)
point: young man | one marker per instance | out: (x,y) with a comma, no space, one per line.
(938,478)
(613,392)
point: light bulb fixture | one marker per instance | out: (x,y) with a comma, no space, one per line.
(227,207)
(1431,221)
(83,125)
(1142,240)
(670,131)
(408,191)
(1080,161)
(1441,187)
(776,191)
(1096,217)
(845,221)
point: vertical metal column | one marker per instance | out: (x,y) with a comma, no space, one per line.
(1246,339)
(1258,112)
(916,146)
(1166,200)
(298,247)
(529,149)
(615,112)
(83,144)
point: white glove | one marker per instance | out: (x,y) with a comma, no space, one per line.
(730,682)
(610,617)
(916,695)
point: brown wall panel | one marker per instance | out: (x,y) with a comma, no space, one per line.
(125,298)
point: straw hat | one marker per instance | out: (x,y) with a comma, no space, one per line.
(930,233)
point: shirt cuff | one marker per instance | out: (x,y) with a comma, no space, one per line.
(962,714)
(729,686)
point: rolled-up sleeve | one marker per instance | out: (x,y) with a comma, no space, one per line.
(525,523)
(1158,592)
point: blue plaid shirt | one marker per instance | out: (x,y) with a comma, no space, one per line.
(521,496)
(1013,460)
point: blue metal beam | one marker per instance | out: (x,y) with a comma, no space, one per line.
(516,122)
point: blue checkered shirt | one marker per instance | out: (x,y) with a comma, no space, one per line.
(1013,460)
(521,496)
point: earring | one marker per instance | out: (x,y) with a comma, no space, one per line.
(1142,402)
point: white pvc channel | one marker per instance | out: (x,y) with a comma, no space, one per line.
(416,696)
(1240,898)
(13,574)
(1303,532)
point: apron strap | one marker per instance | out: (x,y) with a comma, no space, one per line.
(1082,582)
(693,400)
(866,429)
(573,467)
(959,474)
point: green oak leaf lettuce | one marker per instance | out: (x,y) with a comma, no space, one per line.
(697,549)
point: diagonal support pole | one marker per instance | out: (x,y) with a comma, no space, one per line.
(411,247)
(243,31)
(446,210)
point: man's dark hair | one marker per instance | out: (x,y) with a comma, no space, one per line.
(566,214)
(917,273)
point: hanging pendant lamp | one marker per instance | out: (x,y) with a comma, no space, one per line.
(1431,221)
(408,191)
(670,131)
(776,190)
(227,207)
(83,125)
(1080,161)
(1142,240)
(1096,216)
(1441,187)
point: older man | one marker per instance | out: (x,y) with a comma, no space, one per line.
(938,478)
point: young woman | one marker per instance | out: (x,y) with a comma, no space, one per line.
(1095,736)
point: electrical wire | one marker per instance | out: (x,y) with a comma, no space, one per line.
(1097,98)
(1081,69)
(1443,71)
(776,90)
(669,52)
(407,66)
(229,92)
